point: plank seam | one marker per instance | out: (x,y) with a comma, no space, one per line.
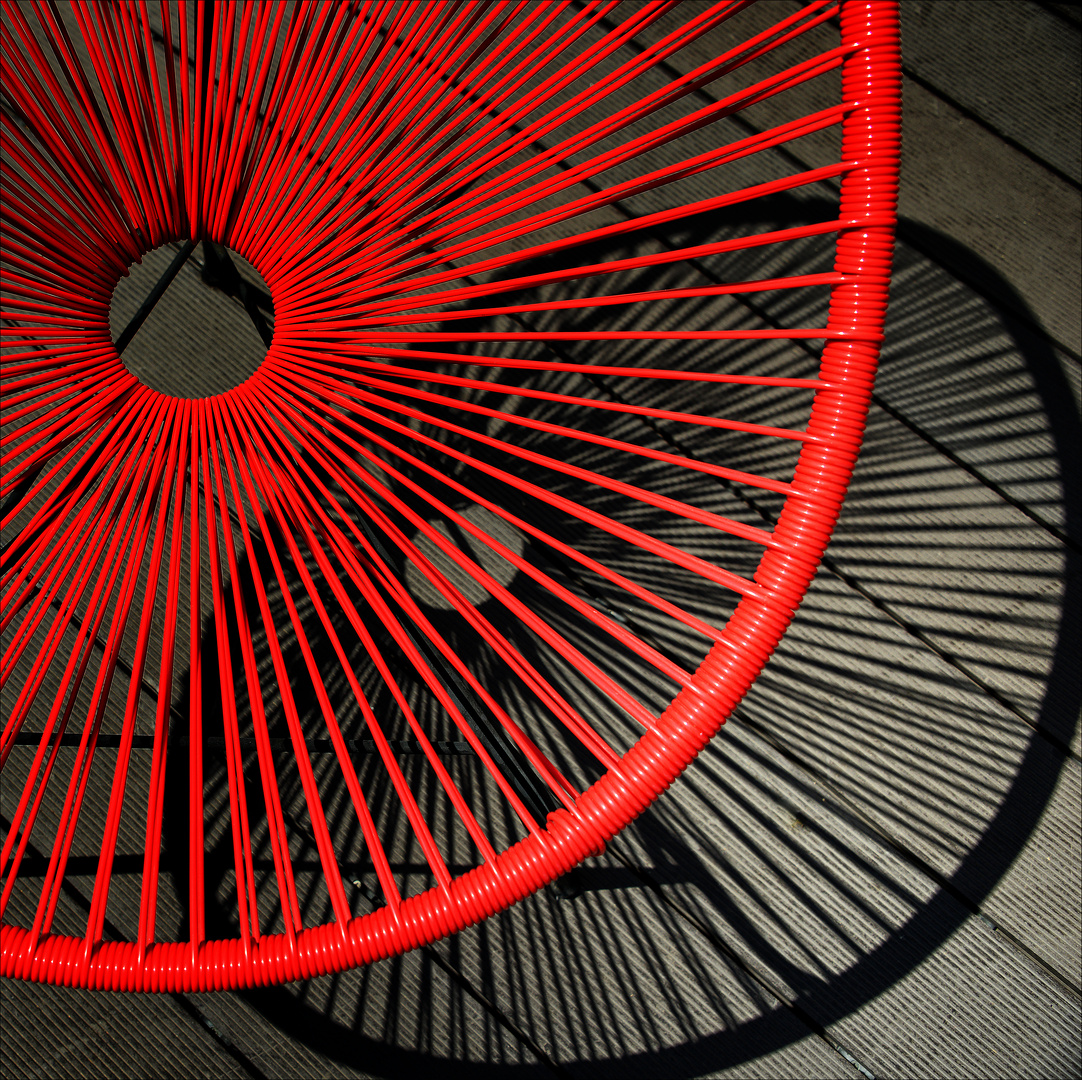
(866,824)
(973,117)
(463,981)
(734,957)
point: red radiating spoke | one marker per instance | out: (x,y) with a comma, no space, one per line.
(428,844)
(582,730)
(615,528)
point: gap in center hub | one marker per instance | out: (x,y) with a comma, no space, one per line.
(206,333)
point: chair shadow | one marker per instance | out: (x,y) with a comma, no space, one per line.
(927,356)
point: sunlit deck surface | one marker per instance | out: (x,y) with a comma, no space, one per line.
(875,869)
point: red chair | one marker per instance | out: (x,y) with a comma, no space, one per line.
(412,592)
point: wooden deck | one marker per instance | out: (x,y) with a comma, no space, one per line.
(876,869)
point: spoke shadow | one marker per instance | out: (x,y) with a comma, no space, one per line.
(754,889)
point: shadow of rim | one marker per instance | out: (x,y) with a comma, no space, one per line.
(981,869)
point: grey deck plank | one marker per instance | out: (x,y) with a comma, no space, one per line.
(983,387)
(606,983)
(1051,856)
(978,1017)
(55,1031)
(617,987)
(395,1018)
(1019,220)
(1027,46)
(965,569)
(932,762)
